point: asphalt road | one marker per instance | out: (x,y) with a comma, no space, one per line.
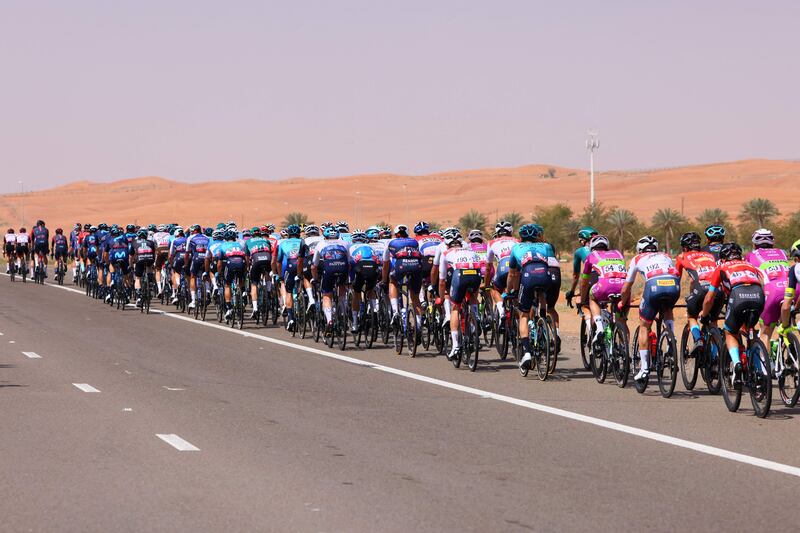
(259,435)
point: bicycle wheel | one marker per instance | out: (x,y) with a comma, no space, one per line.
(197,303)
(437,332)
(203,303)
(397,332)
(473,343)
(146,297)
(319,321)
(689,366)
(501,336)
(342,324)
(760,378)
(459,356)
(620,357)
(427,329)
(715,345)
(789,379)
(551,335)
(239,311)
(731,395)
(411,334)
(597,359)
(636,363)
(541,349)
(667,363)
(585,349)
(384,320)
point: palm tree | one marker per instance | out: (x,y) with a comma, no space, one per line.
(712,216)
(670,222)
(759,211)
(622,224)
(594,215)
(296,217)
(472,219)
(515,218)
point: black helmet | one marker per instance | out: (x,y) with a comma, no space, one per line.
(40,222)
(690,240)
(130,228)
(142,233)
(730,250)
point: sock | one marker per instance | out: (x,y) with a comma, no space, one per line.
(526,345)
(644,355)
(670,324)
(395,305)
(194,296)
(291,313)
(454,336)
(735,355)
(328,313)
(447,310)
(598,323)
(355,317)
(310,294)
(500,308)
(419,321)
(255,305)
(374,303)
(696,334)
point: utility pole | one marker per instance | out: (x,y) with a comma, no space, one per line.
(592,144)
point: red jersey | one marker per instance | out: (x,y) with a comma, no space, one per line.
(82,235)
(698,264)
(733,273)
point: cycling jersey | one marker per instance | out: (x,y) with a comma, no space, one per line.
(774,267)
(606,271)
(480,248)
(41,237)
(661,284)
(118,250)
(427,246)
(791,283)
(733,273)
(524,253)
(499,250)
(364,265)
(463,265)
(405,260)
(578,257)
(699,265)
(22,238)
(741,283)
(289,251)
(651,265)
(332,256)
(713,248)
(91,244)
(10,238)
(177,249)
(378,249)
(233,255)
(346,237)
(162,239)
(259,250)
(60,246)
(196,250)
(145,252)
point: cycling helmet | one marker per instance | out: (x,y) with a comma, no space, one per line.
(648,243)
(151,227)
(208,231)
(116,232)
(142,233)
(255,231)
(130,228)
(530,231)
(690,240)
(22,229)
(221,225)
(217,235)
(360,237)
(342,226)
(293,230)
(330,232)
(312,231)
(229,235)
(77,225)
(10,230)
(451,236)
(729,251)
(178,230)
(102,226)
(284,234)
(326,224)
(586,233)
(373,233)
(270,228)
(599,242)
(161,227)
(86,227)
(59,231)
(763,238)
(475,235)
(503,228)
(421,228)
(401,229)
(40,222)
(194,227)
(92,229)
(715,231)
(246,233)
(795,249)
(385,234)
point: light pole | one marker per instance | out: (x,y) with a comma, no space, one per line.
(592,144)
(405,193)
(22,202)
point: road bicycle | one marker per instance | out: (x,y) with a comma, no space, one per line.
(663,357)
(469,333)
(756,373)
(507,331)
(542,339)
(610,352)
(703,360)
(404,323)
(785,355)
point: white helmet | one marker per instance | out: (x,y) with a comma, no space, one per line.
(450,235)
(598,241)
(763,238)
(503,226)
(162,227)
(648,243)
(475,234)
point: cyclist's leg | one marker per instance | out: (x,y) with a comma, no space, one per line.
(414,281)
(256,271)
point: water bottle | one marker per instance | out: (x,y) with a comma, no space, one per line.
(773,353)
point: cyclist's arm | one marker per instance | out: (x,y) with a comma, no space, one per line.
(586,275)
(442,274)
(626,287)
(386,263)
(788,297)
(708,301)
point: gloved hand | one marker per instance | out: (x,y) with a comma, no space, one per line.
(781,331)
(704,319)
(570,295)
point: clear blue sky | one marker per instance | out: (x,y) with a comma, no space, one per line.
(197,90)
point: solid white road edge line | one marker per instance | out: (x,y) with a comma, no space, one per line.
(177,442)
(85,387)
(32,355)
(599,422)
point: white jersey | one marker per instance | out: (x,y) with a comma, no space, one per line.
(312,243)
(22,238)
(437,254)
(162,239)
(651,264)
(465,259)
(500,248)
(11,238)
(378,248)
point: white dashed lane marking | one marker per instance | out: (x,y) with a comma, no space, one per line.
(31,355)
(178,443)
(85,387)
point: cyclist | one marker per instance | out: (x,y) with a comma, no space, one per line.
(116,255)
(552,294)
(217,240)
(287,263)
(741,283)
(774,266)
(102,236)
(715,236)
(528,273)
(41,245)
(363,273)
(603,276)
(176,258)
(260,256)
(195,260)
(402,259)
(130,233)
(312,239)
(74,247)
(427,247)
(344,231)
(699,266)
(91,248)
(60,250)
(790,296)
(10,248)
(231,258)
(162,238)
(23,247)
(459,274)
(585,234)
(330,267)
(662,289)
(499,250)
(144,256)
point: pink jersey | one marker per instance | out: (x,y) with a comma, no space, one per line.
(480,248)
(771,262)
(609,267)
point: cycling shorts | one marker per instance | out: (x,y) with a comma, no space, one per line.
(41,248)
(697,294)
(659,296)
(198,266)
(534,277)
(10,248)
(22,249)
(774,292)
(554,290)
(604,288)
(258,269)
(333,275)
(141,265)
(162,254)
(121,266)
(745,305)
(411,270)
(289,273)
(463,281)
(500,278)
(365,276)
(426,264)
(61,253)
(234,269)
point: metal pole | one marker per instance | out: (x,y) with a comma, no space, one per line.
(592,144)
(591,173)
(22,202)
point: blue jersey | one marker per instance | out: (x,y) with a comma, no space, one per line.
(332,253)
(214,250)
(178,245)
(130,237)
(362,252)
(60,243)
(346,237)
(118,248)
(233,253)
(198,246)
(526,252)
(402,249)
(91,243)
(289,250)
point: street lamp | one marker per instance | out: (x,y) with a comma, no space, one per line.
(592,144)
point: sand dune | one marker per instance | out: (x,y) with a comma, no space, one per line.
(393,198)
